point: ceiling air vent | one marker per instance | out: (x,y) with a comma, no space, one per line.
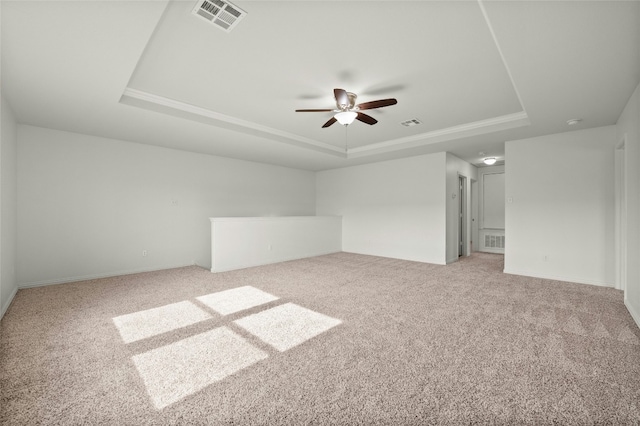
(222,14)
(412,122)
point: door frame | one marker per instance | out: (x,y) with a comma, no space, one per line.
(463,214)
(474,242)
(621,214)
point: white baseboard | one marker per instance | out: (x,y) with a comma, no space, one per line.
(97,276)
(453,259)
(444,261)
(8,302)
(268,262)
(567,278)
(492,251)
(632,310)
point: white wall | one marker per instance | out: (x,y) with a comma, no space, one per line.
(89,206)
(562,187)
(628,127)
(242,242)
(8,213)
(456,168)
(393,208)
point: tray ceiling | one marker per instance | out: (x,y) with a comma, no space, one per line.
(473,73)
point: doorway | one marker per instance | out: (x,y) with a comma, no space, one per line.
(474,237)
(462,216)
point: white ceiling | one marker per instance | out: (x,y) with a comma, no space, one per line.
(475,73)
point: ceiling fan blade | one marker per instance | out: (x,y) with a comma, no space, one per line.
(313,110)
(330,122)
(377,104)
(342,99)
(366,118)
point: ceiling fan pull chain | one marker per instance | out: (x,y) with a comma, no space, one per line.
(346,140)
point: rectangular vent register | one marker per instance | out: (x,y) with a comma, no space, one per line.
(494,241)
(222,14)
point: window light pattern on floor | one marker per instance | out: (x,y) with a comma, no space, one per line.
(174,371)
(152,322)
(286,326)
(236,300)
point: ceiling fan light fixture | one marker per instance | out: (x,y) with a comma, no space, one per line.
(490,161)
(346,117)
(347,111)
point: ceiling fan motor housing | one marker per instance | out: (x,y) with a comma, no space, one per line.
(352,102)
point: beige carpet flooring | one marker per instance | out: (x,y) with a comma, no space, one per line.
(339,339)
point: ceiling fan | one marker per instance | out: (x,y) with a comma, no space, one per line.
(347,110)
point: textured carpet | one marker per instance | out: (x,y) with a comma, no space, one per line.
(338,339)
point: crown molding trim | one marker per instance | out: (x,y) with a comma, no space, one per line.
(150,101)
(475,128)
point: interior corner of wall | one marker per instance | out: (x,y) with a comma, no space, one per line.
(633,310)
(6,304)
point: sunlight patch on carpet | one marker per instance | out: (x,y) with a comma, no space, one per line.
(173,372)
(236,299)
(151,322)
(286,326)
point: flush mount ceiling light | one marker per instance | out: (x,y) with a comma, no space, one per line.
(490,161)
(574,121)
